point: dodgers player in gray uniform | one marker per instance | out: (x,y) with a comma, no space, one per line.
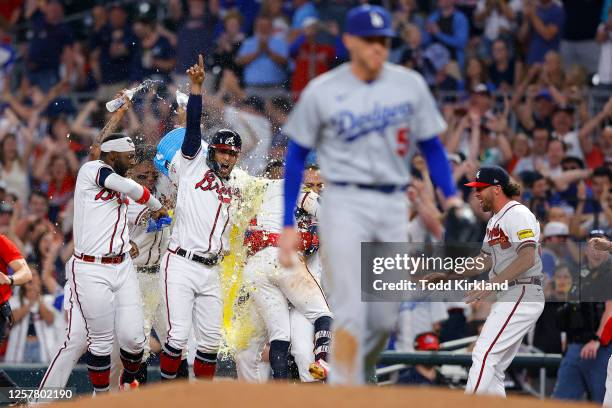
(365,118)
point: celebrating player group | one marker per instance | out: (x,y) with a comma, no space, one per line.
(149,255)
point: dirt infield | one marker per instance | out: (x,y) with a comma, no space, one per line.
(237,394)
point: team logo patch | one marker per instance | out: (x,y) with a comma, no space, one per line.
(376,20)
(497,236)
(526,233)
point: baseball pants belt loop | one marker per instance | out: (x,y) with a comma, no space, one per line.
(112,260)
(526,281)
(147,269)
(381,188)
(208,261)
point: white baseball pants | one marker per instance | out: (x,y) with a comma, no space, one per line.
(192,293)
(108,297)
(516,311)
(273,287)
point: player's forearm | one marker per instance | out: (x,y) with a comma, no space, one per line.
(133,190)
(193,138)
(111,125)
(521,264)
(22,273)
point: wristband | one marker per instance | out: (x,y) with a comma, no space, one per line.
(11,281)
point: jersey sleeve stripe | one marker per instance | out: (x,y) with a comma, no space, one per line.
(192,157)
(526,243)
(103,173)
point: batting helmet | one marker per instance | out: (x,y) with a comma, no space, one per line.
(167,148)
(223,139)
(369,21)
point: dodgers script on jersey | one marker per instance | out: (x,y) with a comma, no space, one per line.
(365,132)
(509,230)
(94,206)
(202,208)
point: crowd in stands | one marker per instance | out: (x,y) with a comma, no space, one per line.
(524,84)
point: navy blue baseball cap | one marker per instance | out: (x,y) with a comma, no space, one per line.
(369,21)
(490,176)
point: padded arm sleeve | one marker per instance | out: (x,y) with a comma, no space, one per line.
(132,189)
(193,138)
(294,170)
(439,168)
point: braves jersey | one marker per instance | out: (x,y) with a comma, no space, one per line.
(365,132)
(151,245)
(202,207)
(509,230)
(100,215)
(270,214)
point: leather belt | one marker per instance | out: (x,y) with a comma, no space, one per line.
(381,188)
(526,281)
(256,240)
(147,269)
(208,261)
(112,260)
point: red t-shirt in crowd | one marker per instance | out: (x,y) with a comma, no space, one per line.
(8,253)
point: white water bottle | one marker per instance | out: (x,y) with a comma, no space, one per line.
(116,103)
(181,99)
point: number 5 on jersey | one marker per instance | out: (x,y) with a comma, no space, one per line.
(403,141)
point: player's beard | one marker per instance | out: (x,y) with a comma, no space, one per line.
(486,204)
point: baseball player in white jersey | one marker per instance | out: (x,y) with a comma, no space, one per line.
(101,272)
(365,119)
(302,330)
(149,243)
(272,286)
(190,272)
(511,254)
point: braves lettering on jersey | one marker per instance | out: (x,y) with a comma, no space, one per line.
(202,208)
(509,230)
(365,133)
(93,208)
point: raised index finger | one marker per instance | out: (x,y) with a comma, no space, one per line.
(201,61)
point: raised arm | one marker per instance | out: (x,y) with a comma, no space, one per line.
(112,124)
(193,137)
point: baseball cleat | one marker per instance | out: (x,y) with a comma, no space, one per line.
(319,370)
(129,386)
